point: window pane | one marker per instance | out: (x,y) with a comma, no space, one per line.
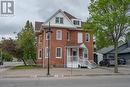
(61,20)
(40,53)
(57,20)
(87,37)
(58,35)
(58,52)
(68,36)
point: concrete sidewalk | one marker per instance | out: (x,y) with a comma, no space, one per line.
(63,72)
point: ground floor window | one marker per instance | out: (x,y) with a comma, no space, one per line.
(40,54)
(58,52)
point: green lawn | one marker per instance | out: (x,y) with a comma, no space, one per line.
(27,67)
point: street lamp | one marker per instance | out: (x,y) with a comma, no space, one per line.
(49,37)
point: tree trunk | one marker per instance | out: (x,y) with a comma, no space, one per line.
(24,62)
(116,58)
(34,61)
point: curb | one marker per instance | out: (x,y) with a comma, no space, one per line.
(59,76)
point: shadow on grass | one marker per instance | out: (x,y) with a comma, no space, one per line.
(27,67)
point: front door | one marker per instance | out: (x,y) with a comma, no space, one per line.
(74,59)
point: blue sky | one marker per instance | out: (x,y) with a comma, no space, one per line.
(39,10)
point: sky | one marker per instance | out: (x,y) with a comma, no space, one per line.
(39,10)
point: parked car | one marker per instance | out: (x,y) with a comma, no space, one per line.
(111,62)
(122,61)
(107,62)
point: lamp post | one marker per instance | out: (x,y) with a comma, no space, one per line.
(49,37)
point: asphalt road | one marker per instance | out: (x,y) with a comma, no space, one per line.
(87,81)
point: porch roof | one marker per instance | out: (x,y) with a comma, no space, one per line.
(75,45)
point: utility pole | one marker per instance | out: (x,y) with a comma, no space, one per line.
(49,51)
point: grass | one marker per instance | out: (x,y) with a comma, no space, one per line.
(27,67)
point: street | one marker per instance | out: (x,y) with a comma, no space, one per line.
(87,81)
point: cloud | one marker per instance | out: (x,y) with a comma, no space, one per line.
(39,10)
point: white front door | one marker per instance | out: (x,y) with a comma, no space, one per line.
(72,60)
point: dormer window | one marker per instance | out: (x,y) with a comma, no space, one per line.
(76,22)
(59,20)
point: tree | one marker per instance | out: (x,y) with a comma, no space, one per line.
(26,42)
(8,45)
(111,20)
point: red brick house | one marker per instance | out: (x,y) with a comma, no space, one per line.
(70,46)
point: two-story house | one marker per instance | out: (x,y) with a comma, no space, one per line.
(70,45)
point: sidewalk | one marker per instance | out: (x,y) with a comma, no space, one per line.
(63,72)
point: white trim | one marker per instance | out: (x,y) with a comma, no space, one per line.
(59,20)
(79,37)
(60,35)
(64,16)
(40,50)
(60,52)
(87,36)
(76,24)
(46,52)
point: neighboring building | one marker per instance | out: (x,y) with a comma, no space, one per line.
(69,43)
(123,51)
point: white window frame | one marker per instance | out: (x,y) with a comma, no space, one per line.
(80,37)
(79,22)
(40,52)
(68,36)
(87,36)
(57,38)
(46,52)
(58,20)
(60,52)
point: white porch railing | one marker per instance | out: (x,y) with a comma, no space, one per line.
(75,62)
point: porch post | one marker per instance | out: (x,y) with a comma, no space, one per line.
(78,54)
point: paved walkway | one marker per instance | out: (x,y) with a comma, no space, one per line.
(64,72)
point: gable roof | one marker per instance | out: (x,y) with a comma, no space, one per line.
(127,50)
(110,48)
(65,14)
(69,15)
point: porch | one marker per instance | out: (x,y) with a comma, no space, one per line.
(77,56)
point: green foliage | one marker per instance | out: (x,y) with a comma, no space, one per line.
(7,57)
(26,42)
(9,46)
(109,19)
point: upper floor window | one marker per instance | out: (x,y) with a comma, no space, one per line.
(59,20)
(68,36)
(58,35)
(80,37)
(87,37)
(75,22)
